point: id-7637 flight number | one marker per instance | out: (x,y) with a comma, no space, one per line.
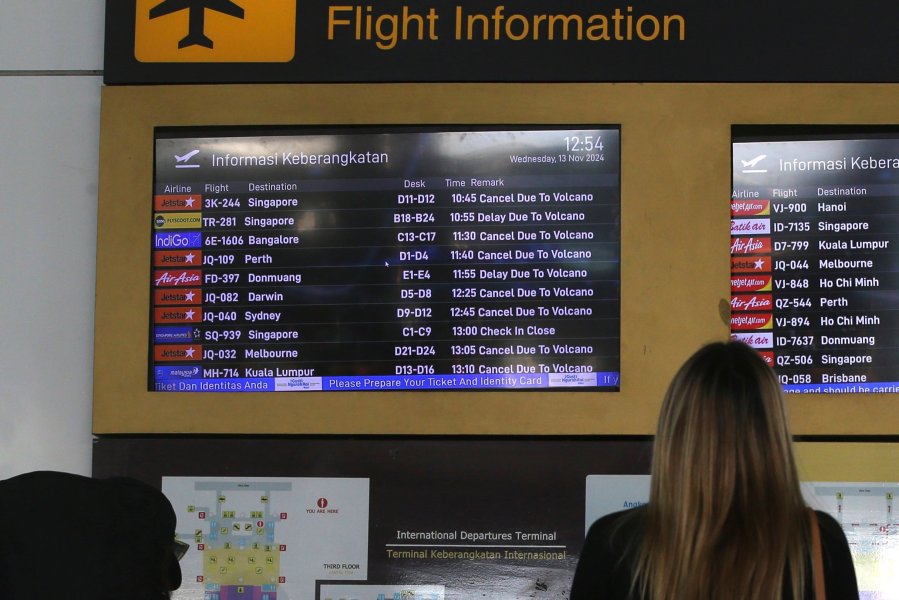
(795,341)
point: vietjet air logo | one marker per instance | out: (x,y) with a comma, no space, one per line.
(197,31)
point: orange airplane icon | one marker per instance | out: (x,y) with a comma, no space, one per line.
(257,31)
(196,35)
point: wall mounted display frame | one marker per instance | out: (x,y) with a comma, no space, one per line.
(675,268)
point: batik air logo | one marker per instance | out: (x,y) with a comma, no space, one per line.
(750,226)
(212,31)
(754,339)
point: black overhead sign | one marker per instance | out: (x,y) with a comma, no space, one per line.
(284,41)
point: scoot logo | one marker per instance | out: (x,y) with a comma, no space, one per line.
(198,31)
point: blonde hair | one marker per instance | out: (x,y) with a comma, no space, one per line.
(726,518)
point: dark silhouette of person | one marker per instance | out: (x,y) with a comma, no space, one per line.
(69,536)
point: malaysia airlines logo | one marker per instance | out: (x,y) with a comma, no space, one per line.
(204,31)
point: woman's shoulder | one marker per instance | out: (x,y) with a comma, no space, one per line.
(620,524)
(832,534)
(839,569)
(827,522)
(604,565)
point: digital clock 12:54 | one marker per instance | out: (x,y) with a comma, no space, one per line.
(583,143)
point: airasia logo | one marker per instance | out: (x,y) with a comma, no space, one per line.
(750,245)
(745,302)
(177,278)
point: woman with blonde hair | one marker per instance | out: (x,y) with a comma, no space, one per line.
(726,518)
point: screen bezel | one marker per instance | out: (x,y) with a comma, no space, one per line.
(232,135)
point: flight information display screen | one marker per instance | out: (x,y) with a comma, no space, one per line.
(326,259)
(815,257)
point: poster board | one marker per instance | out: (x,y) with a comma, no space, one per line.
(675,182)
(459,518)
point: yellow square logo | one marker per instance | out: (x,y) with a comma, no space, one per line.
(197,31)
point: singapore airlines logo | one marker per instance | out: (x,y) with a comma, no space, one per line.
(198,31)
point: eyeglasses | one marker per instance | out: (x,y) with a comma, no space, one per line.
(179,548)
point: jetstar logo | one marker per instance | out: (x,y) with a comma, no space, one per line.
(751,321)
(177,202)
(177,278)
(167,258)
(211,31)
(744,302)
(177,352)
(750,245)
(178,296)
(750,208)
(750,264)
(188,314)
(761,283)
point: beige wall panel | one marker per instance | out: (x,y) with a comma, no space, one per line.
(848,461)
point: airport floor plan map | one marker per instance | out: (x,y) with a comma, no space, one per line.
(269,538)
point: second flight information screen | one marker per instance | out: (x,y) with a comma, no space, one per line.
(389,259)
(815,258)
